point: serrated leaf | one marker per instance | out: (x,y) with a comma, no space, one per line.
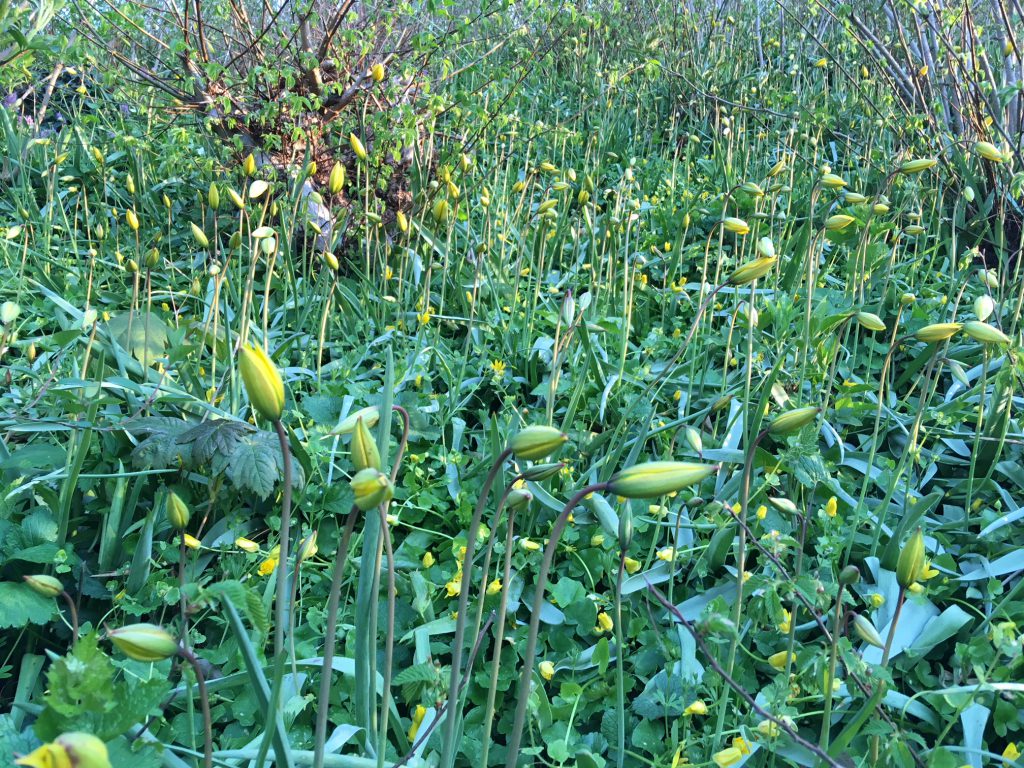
(20,606)
(418,673)
(244,597)
(218,437)
(253,467)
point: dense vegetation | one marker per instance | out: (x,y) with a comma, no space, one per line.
(337,344)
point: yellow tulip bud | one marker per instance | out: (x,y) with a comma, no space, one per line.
(377,72)
(364,448)
(658,478)
(249,165)
(213,196)
(357,146)
(336,180)
(144,642)
(866,631)
(537,442)
(132,218)
(370,415)
(752,270)
(735,225)
(916,166)
(870,321)
(371,488)
(911,560)
(985,333)
(546,669)
(200,236)
(838,222)
(989,152)
(793,421)
(937,332)
(177,510)
(262,382)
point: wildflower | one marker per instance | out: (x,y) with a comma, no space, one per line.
(494,587)
(1011,753)
(876,600)
(498,367)
(741,744)
(631,565)
(831,506)
(529,545)
(597,540)
(657,510)
(247,545)
(667,554)
(191,541)
(778,660)
(786,623)
(761,513)
(417,719)
(454,587)
(546,669)
(604,622)
(267,567)
(696,708)
(728,756)
(428,559)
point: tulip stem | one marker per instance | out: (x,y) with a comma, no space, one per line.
(281,592)
(333,601)
(892,627)
(826,720)
(204,704)
(499,636)
(620,683)
(451,725)
(72,615)
(516,736)
(389,641)
(741,558)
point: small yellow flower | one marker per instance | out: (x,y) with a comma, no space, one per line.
(727,757)
(657,511)
(831,506)
(876,600)
(632,566)
(494,587)
(454,587)
(697,708)
(778,660)
(529,545)
(267,566)
(498,367)
(604,622)
(741,744)
(247,545)
(768,728)
(547,670)
(191,541)
(428,559)
(762,512)
(786,623)
(916,588)
(1011,753)
(668,554)
(597,540)
(417,719)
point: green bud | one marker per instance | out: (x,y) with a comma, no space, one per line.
(849,575)
(144,642)
(262,382)
(911,560)
(371,488)
(370,414)
(793,421)
(364,447)
(866,631)
(336,180)
(44,585)
(213,196)
(518,497)
(200,236)
(626,528)
(537,442)
(658,478)
(177,511)
(540,472)
(752,270)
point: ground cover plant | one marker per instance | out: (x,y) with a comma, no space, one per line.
(583,384)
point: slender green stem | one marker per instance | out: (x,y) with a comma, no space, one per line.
(526,678)
(620,682)
(451,725)
(826,720)
(389,640)
(204,705)
(333,600)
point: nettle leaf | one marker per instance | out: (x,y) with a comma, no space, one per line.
(87,692)
(20,606)
(215,438)
(253,466)
(162,448)
(418,673)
